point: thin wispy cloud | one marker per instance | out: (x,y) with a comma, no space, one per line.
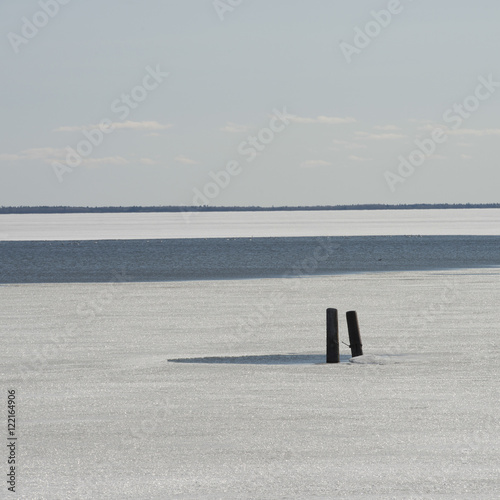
(315,164)
(9,157)
(430,126)
(234,128)
(35,154)
(415,120)
(147,161)
(108,160)
(387,128)
(380,137)
(185,160)
(127,125)
(476,132)
(50,155)
(359,158)
(326,120)
(347,145)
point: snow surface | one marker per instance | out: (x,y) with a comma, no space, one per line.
(218,389)
(23,227)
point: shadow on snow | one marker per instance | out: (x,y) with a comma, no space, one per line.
(267,359)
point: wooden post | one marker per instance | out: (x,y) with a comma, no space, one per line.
(332,336)
(354,336)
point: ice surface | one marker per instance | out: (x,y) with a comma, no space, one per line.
(23,227)
(217,389)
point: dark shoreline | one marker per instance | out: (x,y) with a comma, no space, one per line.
(206,208)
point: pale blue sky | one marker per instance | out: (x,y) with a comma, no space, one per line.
(350,122)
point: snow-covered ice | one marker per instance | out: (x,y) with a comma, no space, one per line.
(23,227)
(112,407)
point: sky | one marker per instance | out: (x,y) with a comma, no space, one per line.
(249,102)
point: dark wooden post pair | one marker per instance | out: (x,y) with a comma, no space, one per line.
(332,335)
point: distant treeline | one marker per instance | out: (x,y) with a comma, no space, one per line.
(206,208)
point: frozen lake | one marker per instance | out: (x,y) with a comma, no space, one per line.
(218,390)
(29,227)
(146,368)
